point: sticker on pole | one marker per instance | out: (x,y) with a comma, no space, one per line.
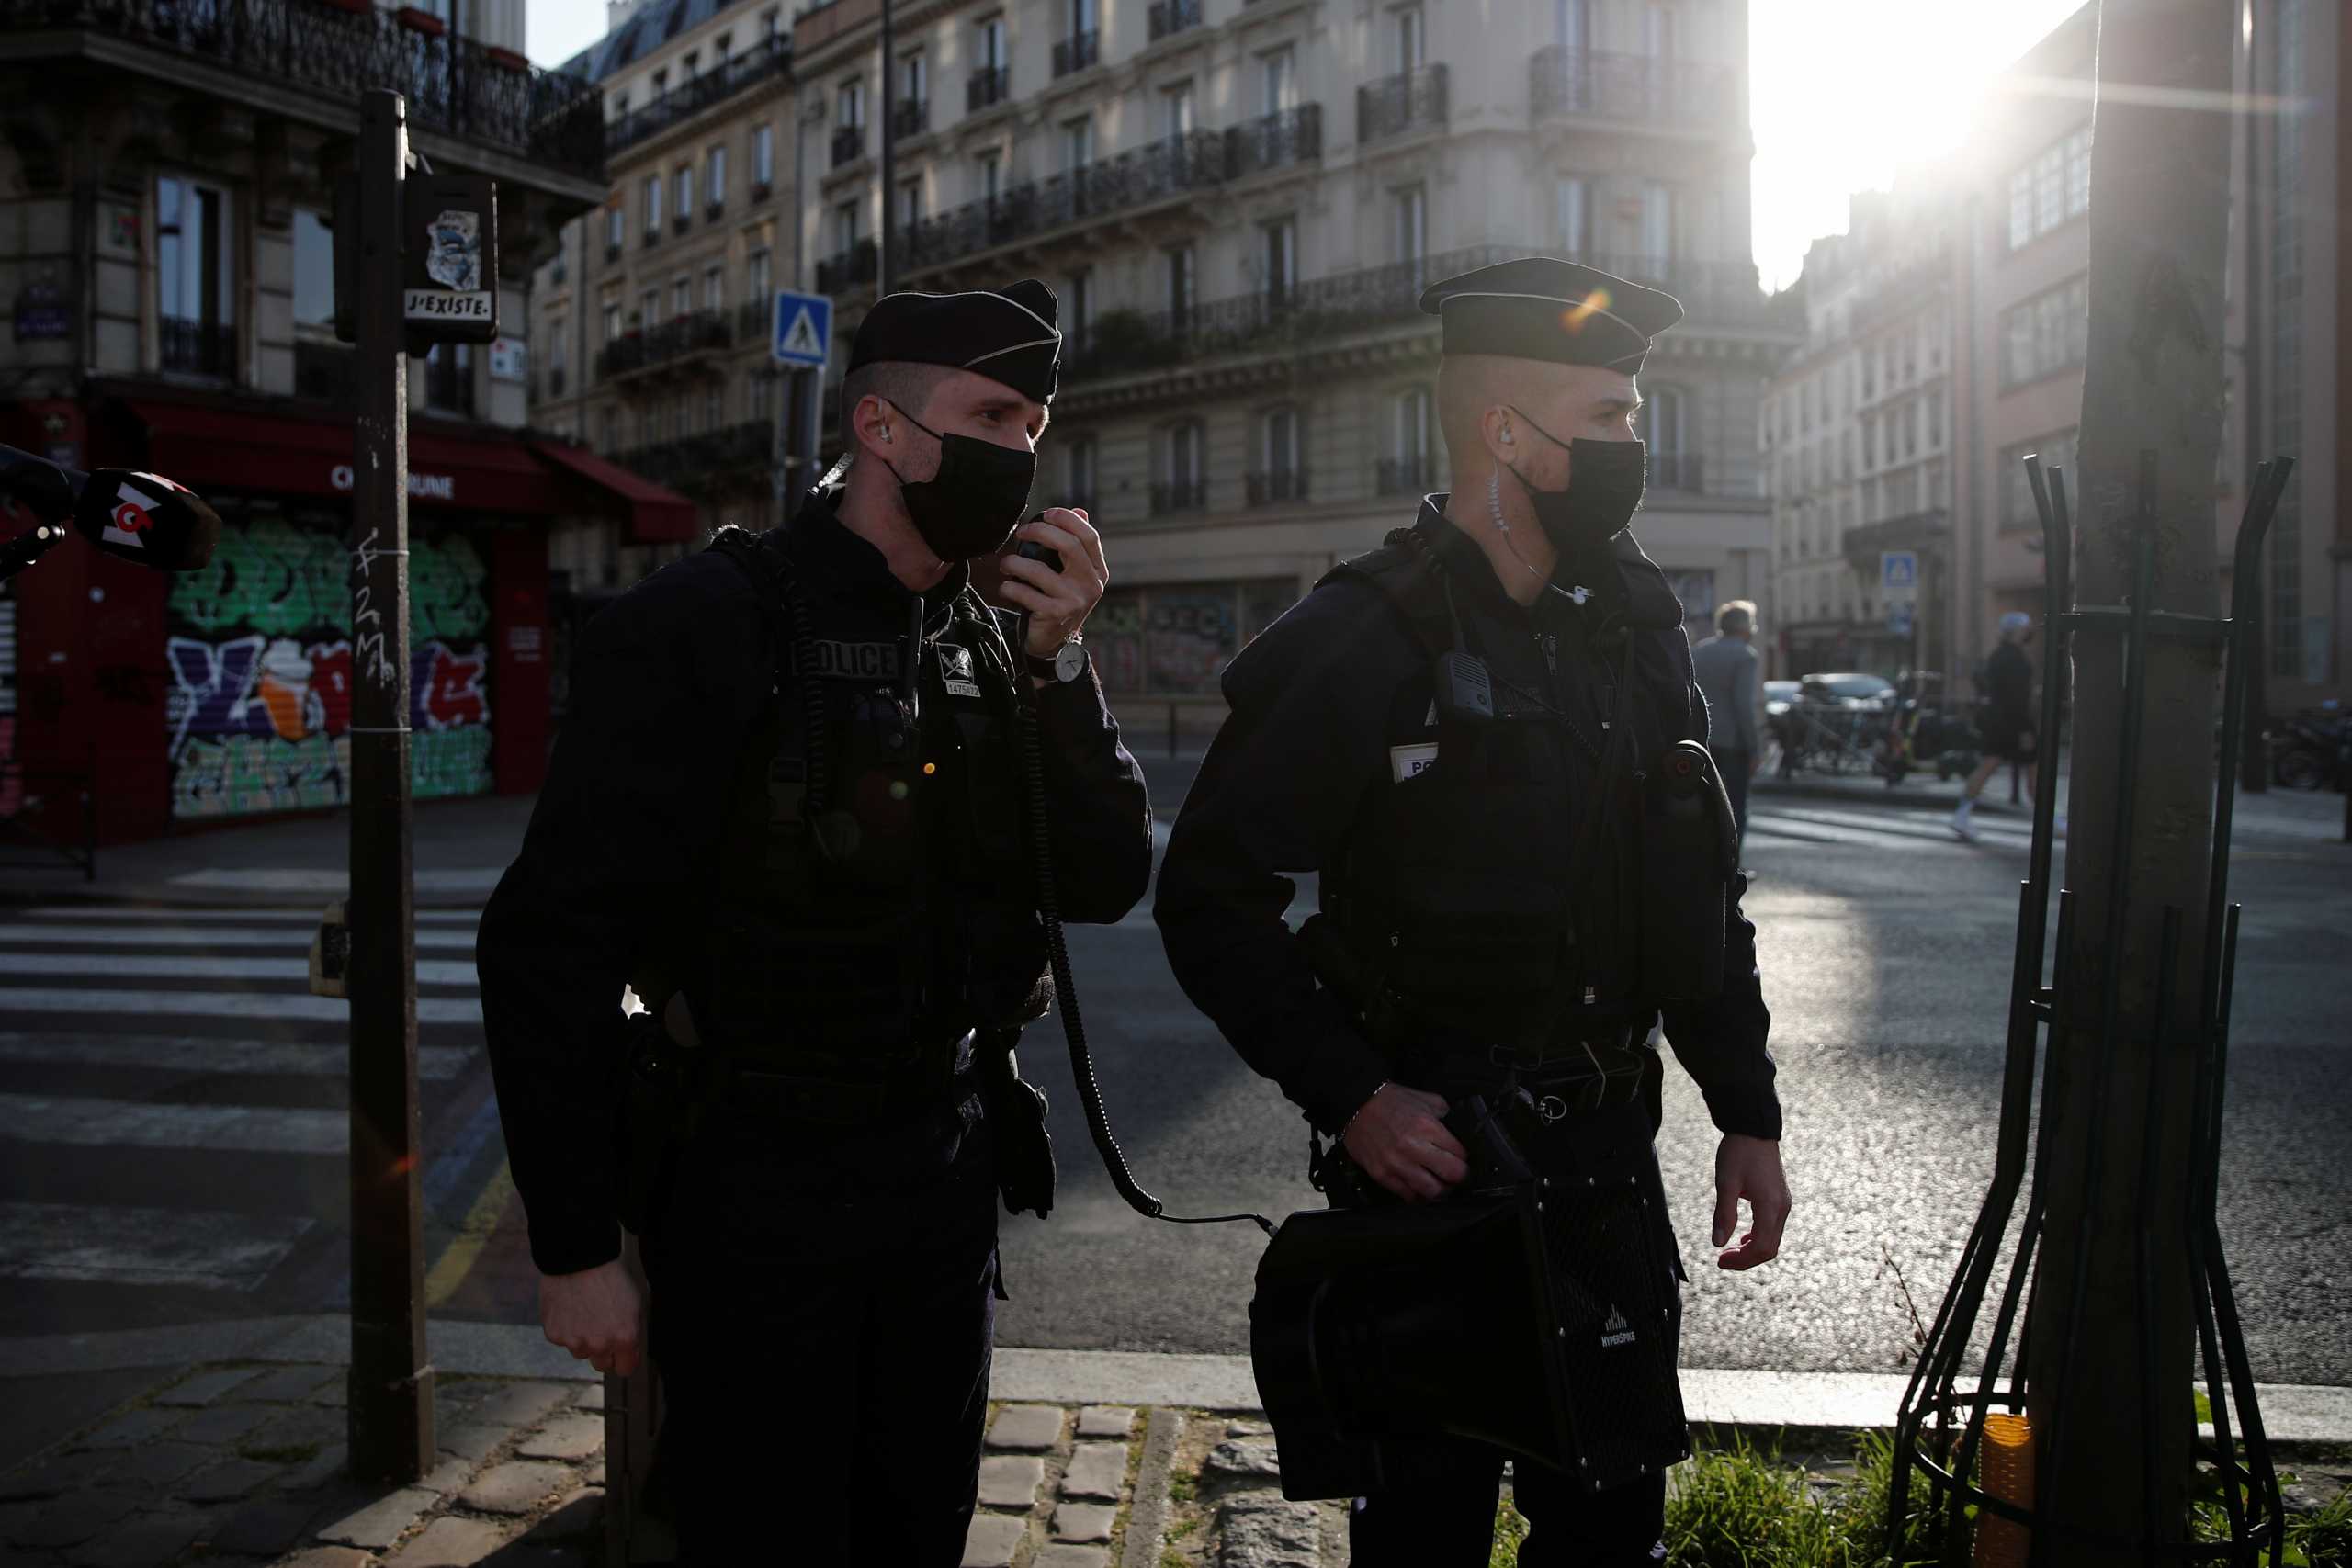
(451,289)
(804,329)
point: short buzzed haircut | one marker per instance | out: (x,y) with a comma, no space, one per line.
(901,383)
(1735,617)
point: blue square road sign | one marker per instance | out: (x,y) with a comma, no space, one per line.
(804,329)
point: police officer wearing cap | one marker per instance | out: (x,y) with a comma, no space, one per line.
(787,810)
(1455,732)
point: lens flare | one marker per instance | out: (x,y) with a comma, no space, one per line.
(1574,316)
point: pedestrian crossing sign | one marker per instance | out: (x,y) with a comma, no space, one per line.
(804,328)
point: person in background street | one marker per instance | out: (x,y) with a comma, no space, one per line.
(2005,722)
(1450,847)
(1725,667)
(787,810)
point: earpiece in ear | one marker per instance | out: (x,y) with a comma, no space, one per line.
(1507,440)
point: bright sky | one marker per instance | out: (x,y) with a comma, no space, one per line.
(1845,92)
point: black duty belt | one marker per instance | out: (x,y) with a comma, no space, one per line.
(749,1085)
(1565,1078)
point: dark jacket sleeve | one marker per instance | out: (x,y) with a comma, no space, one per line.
(665,682)
(1721,1042)
(1283,781)
(1095,802)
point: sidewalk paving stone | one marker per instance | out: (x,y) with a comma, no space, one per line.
(517,1404)
(575,1434)
(1244,1457)
(141,1542)
(1106,1421)
(1027,1427)
(576,1516)
(59,1475)
(1073,1557)
(1011,1480)
(590,1398)
(72,1520)
(228,1482)
(266,1527)
(133,1426)
(160,1464)
(1097,1470)
(992,1539)
(1084,1521)
(223,1424)
(1265,1531)
(288,1385)
(206,1387)
(381,1522)
(516,1486)
(451,1543)
(297,1426)
(450,1475)
(330,1557)
(321,1467)
(471,1439)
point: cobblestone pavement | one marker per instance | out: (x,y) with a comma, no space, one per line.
(243,1464)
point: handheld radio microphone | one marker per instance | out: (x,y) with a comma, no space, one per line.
(136,516)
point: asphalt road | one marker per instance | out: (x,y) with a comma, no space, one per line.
(172,1113)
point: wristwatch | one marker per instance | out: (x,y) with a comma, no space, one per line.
(1067,664)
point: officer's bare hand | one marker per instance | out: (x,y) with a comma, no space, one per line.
(598,1314)
(1057,601)
(1749,1169)
(1399,1141)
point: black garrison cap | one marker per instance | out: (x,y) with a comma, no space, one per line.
(1006,334)
(1545,308)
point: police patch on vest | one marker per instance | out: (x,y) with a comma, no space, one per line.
(1616,1331)
(1406,762)
(955,669)
(855,660)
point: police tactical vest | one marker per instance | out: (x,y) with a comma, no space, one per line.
(871,893)
(1489,894)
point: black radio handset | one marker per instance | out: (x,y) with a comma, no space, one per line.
(1465,691)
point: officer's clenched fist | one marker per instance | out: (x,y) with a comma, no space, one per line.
(1399,1141)
(598,1314)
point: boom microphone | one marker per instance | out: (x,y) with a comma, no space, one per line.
(136,516)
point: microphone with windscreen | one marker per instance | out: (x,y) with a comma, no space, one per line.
(136,516)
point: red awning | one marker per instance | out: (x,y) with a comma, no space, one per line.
(656,516)
(485,469)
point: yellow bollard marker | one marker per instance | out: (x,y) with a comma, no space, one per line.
(2005,1472)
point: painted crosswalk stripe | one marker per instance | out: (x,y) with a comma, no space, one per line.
(178,966)
(1932,826)
(198,1055)
(126,1123)
(278,1006)
(112,914)
(31,934)
(202,1248)
(1764,828)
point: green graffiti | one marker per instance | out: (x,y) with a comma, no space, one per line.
(240,775)
(272,578)
(448,592)
(451,762)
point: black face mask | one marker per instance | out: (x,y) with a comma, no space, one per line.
(1604,488)
(975,502)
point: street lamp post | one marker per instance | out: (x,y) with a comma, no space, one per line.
(884,264)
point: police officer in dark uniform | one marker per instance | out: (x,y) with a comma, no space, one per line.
(1456,733)
(788,811)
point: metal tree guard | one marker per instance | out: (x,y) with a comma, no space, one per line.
(1940,1427)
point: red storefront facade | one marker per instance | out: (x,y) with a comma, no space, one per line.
(224,693)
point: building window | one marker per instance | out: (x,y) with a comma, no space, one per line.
(2050,189)
(1078,474)
(1412,36)
(612,321)
(763,158)
(845,228)
(1281,475)
(651,316)
(1078,142)
(909,202)
(195,278)
(1077,312)
(1410,469)
(1657,241)
(914,78)
(991,173)
(1663,426)
(714,407)
(1181,488)
(682,297)
(755,279)
(1278,78)
(716,167)
(1280,248)
(449,378)
(1572,208)
(2046,334)
(313,270)
(1176,109)
(1408,212)
(1182,283)
(849,105)
(652,206)
(685,195)
(714,288)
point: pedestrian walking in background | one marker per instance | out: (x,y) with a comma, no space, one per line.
(2005,723)
(788,809)
(1726,667)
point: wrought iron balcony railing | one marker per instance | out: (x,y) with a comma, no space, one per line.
(196,348)
(849,144)
(762,63)
(1406,476)
(1168,18)
(754,319)
(557,377)
(1275,485)
(716,462)
(1277,141)
(672,340)
(860,264)
(910,117)
(1078,51)
(1590,83)
(989,86)
(1409,101)
(454,85)
(1179,495)
(1132,179)
(1299,314)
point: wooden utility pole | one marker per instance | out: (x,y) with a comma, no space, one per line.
(2159,222)
(390,1416)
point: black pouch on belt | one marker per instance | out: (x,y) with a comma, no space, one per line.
(653,1115)
(1690,854)
(1016,1112)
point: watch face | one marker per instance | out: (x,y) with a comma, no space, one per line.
(1069,662)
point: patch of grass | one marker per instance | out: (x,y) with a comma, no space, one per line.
(2204,1406)
(2322,1539)
(283,1454)
(1183,1486)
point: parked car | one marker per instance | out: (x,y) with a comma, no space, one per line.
(1778,696)
(1846,689)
